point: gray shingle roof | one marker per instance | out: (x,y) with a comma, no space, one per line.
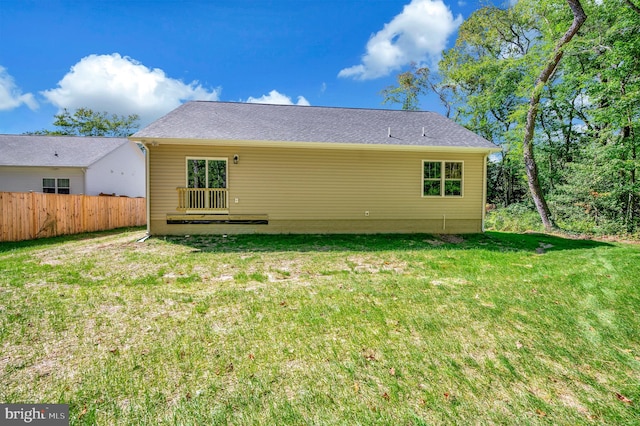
(291,123)
(72,151)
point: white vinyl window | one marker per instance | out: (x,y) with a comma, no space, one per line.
(56,186)
(206,172)
(206,188)
(442,178)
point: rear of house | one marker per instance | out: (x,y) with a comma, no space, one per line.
(224,168)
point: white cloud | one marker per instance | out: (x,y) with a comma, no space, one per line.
(417,34)
(277,98)
(11,96)
(121,85)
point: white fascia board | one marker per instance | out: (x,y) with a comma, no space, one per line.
(316,145)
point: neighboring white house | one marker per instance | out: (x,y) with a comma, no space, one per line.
(71,165)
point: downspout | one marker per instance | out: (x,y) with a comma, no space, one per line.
(147,186)
(84,181)
(484,190)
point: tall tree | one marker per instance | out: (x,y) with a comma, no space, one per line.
(412,84)
(605,63)
(486,71)
(527,148)
(86,122)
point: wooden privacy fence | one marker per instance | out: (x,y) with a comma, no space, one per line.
(30,215)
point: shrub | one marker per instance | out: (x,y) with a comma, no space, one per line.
(513,218)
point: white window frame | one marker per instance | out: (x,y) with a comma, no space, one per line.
(56,185)
(226,188)
(442,179)
(226,171)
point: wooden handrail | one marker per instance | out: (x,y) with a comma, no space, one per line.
(202,199)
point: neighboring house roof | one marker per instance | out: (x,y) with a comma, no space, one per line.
(56,151)
(292,123)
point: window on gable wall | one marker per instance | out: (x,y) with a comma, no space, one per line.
(442,178)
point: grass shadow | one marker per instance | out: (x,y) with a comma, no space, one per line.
(491,241)
(44,242)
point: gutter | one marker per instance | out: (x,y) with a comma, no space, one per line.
(84,180)
(316,145)
(484,190)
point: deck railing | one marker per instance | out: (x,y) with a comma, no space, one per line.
(202,199)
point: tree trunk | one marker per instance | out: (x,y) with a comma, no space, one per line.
(632,196)
(529,161)
(633,6)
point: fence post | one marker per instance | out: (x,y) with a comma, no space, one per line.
(83,212)
(34,216)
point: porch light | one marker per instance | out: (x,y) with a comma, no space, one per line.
(236,157)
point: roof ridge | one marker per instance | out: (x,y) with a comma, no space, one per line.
(62,136)
(310,106)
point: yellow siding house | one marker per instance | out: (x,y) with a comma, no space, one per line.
(230,168)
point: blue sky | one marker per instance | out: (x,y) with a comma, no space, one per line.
(148,57)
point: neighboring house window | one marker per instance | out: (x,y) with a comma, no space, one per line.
(63,186)
(55,186)
(442,178)
(49,186)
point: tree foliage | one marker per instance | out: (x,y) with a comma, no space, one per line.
(412,84)
(586,130)
(86,122)
(531,167)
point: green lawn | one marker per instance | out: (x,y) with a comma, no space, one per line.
(402,330)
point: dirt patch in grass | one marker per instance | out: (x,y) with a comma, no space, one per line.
(452,281)
(442,239)
(451,238)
